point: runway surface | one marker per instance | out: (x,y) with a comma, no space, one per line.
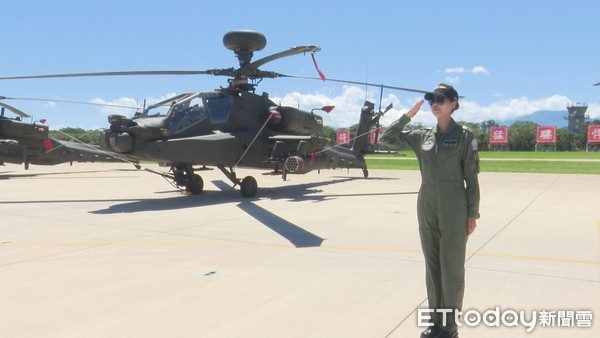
(104,250)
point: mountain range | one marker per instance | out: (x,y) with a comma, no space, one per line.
(542,117)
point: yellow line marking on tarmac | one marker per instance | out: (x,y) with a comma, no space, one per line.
(322,247)
(539,258)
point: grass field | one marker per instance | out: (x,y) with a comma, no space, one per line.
(519,162)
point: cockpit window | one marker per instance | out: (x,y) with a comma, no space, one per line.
(186,113)
(218,107)
(162,108)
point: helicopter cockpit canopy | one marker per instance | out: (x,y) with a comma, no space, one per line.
(185,110)
(162,108)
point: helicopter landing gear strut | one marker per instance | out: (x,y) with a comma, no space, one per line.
(184,176)
(248,186)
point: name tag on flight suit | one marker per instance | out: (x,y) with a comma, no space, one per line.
(450,143)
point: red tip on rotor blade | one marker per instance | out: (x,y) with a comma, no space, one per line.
(321,75)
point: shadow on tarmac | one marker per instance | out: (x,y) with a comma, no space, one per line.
(296,235)
(299,237)
(5,176)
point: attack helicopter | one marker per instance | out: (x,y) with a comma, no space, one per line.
(30,143)
(232,126)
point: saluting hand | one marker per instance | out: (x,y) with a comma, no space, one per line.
(415,109)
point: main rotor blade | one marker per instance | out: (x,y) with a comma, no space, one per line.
(357,83)
(67,101)
(292,51)
(125,73)
(15,110)
(597,84)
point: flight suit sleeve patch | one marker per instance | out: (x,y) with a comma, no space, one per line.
(474,144)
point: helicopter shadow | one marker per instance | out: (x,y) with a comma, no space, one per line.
(3,175)
(229,194)
(9,176)
(296,235)
(293,233)
(225,194)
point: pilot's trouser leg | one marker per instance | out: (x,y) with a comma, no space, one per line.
(443,230)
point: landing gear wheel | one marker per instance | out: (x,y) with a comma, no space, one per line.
(248,186)
(196,185)
(365,172)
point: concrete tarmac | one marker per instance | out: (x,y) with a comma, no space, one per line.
(104,250)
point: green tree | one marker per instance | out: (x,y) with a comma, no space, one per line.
(522,136)
(73,134)
(329,132)
(479,133)
(567,140)
(487,124)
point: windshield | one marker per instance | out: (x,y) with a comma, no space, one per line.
(186,113)
(218,107)
(162,108)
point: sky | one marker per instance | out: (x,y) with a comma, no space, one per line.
(506,58)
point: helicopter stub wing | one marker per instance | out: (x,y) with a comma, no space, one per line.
(8,142)
(290,138)
(315,140)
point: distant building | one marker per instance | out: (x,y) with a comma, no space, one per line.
(577,115)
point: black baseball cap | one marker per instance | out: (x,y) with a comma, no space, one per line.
(443,90)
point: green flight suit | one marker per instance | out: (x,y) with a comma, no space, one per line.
(449,193)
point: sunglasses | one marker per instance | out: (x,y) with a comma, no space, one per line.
(437,99)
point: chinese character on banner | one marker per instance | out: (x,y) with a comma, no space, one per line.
(546,134)
(343,136)
(594,133)
(498,135)
(376,135)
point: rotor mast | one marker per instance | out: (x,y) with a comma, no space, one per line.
(243,43)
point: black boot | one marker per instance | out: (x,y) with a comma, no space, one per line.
(431,332)
(447,334)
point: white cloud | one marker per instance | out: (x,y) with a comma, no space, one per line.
(452,80)
(480,70)
(347,104)
(350,101)
(459,70)
(126,102)
(510,108)
(593,111)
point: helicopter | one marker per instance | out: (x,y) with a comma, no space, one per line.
(232,126)
(30,143)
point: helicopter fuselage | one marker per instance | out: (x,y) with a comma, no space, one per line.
(212,128)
